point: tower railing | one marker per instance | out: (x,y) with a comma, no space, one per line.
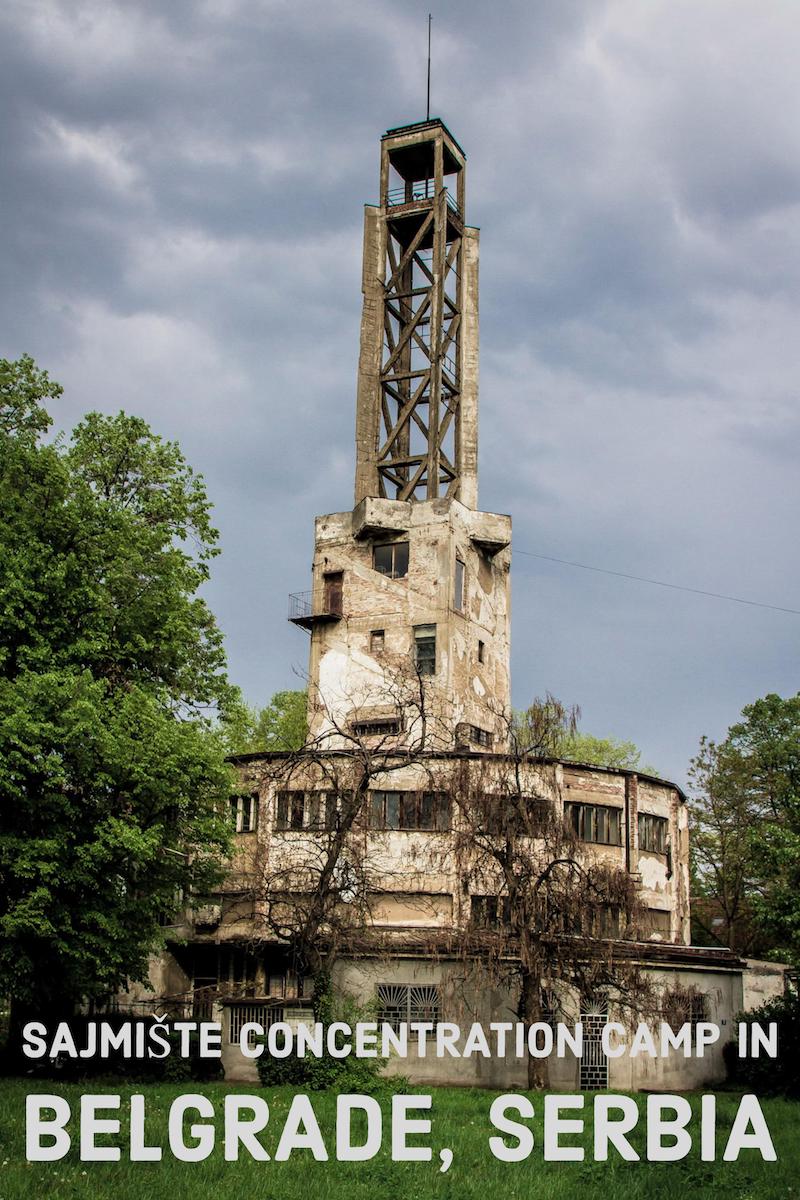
(422,189)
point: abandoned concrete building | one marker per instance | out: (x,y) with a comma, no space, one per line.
(409,704)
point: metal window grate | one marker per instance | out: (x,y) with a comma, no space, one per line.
(400,1002)
(240,1014)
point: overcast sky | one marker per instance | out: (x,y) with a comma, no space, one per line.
(182,190)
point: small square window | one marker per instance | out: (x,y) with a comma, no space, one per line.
(391,558)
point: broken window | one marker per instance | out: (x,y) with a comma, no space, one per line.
(658,921)
(401,1002)
(458,588)
(594,823)
(425,649)
(391,558)
(244,813)
(409,810)
(653,833)
(377,641)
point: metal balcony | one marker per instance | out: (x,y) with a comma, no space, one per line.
(303,613)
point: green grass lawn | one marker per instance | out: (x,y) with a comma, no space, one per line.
(460,1121)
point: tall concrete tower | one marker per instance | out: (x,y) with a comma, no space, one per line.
(411,588)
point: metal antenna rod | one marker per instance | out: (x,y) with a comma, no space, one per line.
(428,112)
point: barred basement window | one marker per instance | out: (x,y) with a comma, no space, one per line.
(409,810)
(685,1005)
(240,1015)
(399,1002)
(391,559)
(594,823)
(244,813)
(382,728)
(425,649)
(653,833)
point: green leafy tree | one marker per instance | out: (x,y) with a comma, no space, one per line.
(746,829)
(280,725)
(551,729)
(113,785)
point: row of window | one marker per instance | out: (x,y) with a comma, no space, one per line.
(297,810)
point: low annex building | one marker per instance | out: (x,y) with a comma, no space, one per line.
(395,808)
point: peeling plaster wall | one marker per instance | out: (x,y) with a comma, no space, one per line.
(349,681)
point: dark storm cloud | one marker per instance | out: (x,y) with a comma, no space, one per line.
(182,191)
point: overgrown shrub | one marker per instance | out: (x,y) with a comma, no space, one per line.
(764,1075)
(349,1074)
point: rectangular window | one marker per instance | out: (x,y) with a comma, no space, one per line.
(377,641)
(512,816)
(401,1002)
(306,810)
(594,823)
(653,833)
(481,651)
(425,649)
(391,558)
(333,586)
(409,810)
(490,912)
(290,810)
(658,920)
(458,588)
(244,813)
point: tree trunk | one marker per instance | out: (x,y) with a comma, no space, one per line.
(530,1011)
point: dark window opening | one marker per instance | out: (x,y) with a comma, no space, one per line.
(305,810)
(512,816)
(391,558)
(333,582)
(490,912)
(458,590)
(653,833)
(594,823)
(409,810)
(377,641)
(425,649)
(481,649)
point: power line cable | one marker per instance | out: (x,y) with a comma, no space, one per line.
(678,587)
